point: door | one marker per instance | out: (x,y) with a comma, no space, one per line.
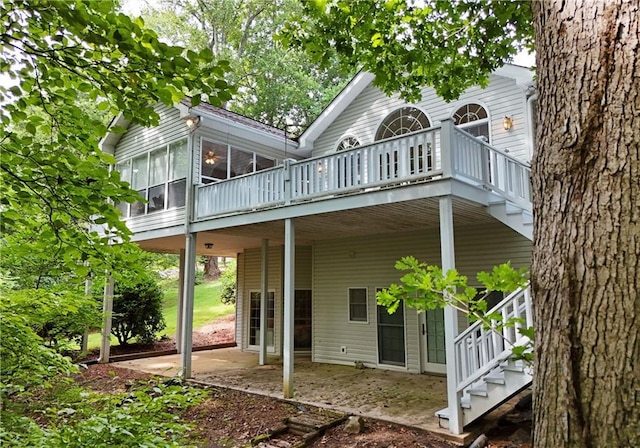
(432,338)
(302,320)
(254,319)
(391,344)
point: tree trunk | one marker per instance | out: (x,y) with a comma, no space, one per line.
(211,269)
(586,189)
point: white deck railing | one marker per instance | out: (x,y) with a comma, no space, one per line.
(478,350)
(491,168)
(439,151)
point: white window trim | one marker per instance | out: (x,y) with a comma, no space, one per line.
(426,114)
(404,329)
(270,348)
(487,120)
(360,322)
(166,183)
(343,138)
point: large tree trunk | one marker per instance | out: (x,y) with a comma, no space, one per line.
(211,269)
(586,183)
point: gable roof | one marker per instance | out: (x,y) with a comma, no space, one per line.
(522,75)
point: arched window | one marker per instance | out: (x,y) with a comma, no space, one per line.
(473,118)
(348,143)
(402,121)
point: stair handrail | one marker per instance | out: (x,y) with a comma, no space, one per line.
(478,350)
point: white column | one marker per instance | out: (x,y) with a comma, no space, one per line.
(289,292)
(107,314)
(446,148)
(180,302)
(264,294)
(187,309)
(84,344)
(447,249)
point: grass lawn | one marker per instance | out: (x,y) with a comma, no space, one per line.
(206,308)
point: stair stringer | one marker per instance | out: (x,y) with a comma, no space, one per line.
(496,394)
(512,215)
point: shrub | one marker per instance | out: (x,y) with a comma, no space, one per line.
(137,310)
(26,361)
(228,280)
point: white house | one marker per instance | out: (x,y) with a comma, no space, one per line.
(317,222)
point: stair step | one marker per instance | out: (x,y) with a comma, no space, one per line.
(512,367)
(494,378)
(480,391)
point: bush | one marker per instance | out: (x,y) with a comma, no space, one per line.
(26,361)
(137,310)
(58,316)
(228,280)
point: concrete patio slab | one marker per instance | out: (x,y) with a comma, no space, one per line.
(395,396)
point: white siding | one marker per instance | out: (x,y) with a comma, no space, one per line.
(139,139)
(252,281)
(240,293)
(158,220)
(501,97)
(249,279)
(368,262)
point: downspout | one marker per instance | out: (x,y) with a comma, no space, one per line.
(186,338)
(532,123)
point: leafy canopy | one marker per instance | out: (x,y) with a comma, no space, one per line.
(64,66)
(277,84)
(447,44)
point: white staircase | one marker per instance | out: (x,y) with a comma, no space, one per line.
(487,373)
(515,216)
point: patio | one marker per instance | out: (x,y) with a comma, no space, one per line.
(404,398)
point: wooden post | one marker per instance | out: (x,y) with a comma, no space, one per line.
(187,309)
(264,294)
(447,249)
(84,343)
(289,292)
(180,301)
(107,314)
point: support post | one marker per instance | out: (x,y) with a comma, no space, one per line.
(447,249)
(180,302)
(84,343)
(187,309)
(264,294)
(446,148)
(289,293)
(107,315)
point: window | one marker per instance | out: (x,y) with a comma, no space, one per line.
(159,176)
(254,317)
(347,143)
(358,305)
(402,121)
(473,118)
(220,162)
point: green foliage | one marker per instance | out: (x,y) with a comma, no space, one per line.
(229,287)
(59,317)
(447,44)
(277,85)
(426,287)
(26,361)
(58,58)
(137,310)
(145,416)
